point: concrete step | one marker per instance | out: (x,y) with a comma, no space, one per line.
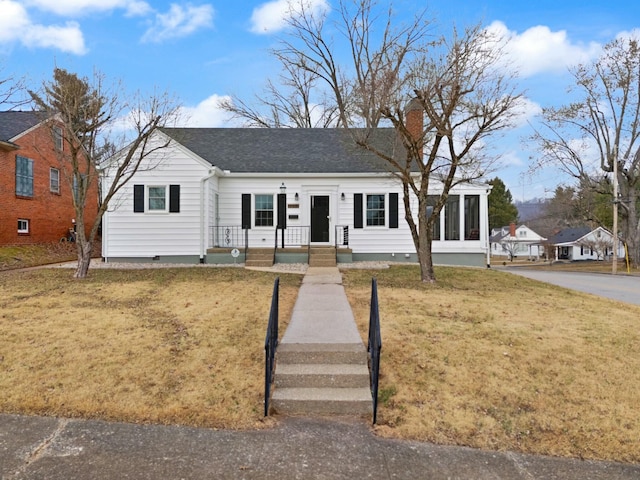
(321,376)
(322,353)
(322,401)
(258,263)
(322,262)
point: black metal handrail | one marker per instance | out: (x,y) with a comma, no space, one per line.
(298,236)
(341,237)
(270,345)
(374,346)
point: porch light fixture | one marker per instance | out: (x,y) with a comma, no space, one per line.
(342,196)
(283,189)
(297,197)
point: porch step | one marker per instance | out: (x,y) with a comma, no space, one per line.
(259,257)
(322,257)
(323,401)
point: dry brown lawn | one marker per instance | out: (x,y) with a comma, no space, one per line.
(483,358)
(180,345)
(496,361)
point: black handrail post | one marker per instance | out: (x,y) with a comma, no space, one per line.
(374,346)
(270,345)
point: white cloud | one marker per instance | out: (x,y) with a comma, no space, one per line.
(272,16)
(538,49)
(525,111)
(76,8)
(178,22)
(16,26)
(206,114)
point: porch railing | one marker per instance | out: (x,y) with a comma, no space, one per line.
(374,346)
(341,237)
(270,345)
(229,236)
(299,236)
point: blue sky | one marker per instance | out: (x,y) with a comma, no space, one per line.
(201,51)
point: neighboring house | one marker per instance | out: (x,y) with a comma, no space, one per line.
(36,203)
(583,243)
(214,189)
(512,241)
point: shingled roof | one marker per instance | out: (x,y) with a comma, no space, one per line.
(13,123)
(569,235)
(286,150)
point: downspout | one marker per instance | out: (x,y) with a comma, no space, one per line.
(212,173)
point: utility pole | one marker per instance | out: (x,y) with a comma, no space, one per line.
(614,265)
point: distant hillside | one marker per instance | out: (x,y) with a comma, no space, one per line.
(530,209)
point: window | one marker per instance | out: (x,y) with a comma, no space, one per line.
(23,225)
(264,210)
(472,217)
(58,138)
(452,218)
(431,203)
(54,180)
(375,211)
(157,199)
(24,177)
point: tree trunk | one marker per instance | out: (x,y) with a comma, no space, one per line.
(425,258)
(84,248)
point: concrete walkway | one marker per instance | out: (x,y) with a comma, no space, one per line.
(322,313)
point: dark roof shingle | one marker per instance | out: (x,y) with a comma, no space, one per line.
(13,123)
(286,150)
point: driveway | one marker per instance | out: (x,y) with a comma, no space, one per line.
(617,287)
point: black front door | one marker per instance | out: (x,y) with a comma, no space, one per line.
(320,218)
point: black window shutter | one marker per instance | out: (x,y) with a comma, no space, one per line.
(282,210)
(393,210)
(357,210)
(246,210)
(174,198)
(138,198)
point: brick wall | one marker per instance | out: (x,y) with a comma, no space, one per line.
(50,214)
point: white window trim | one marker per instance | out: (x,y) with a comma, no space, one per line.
(148,208)
(51,189)
(23,230)
(386,211)
(274,202)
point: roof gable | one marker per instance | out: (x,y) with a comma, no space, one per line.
(13,123)
(569,235)
(286,150)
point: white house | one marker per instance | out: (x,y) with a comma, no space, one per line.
(214,190)
(584,243)
(516,241)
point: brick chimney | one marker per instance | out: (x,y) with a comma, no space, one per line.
(414,118)
(512,229)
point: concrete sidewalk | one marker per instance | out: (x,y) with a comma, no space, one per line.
(298,448)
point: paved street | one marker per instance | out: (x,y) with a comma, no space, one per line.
(617,287)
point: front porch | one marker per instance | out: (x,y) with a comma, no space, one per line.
(321,256)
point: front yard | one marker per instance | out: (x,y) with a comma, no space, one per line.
(483,358)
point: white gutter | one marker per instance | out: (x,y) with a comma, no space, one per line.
(215,171)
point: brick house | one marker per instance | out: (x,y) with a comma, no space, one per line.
(35,196)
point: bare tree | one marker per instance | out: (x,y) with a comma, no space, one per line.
(605,120)
(89,112)
(11,91)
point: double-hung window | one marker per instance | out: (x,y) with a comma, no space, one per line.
(452,218)
(24,177)
(54,180)
(58,138)
(375,210)
(264,210)
(157,198)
